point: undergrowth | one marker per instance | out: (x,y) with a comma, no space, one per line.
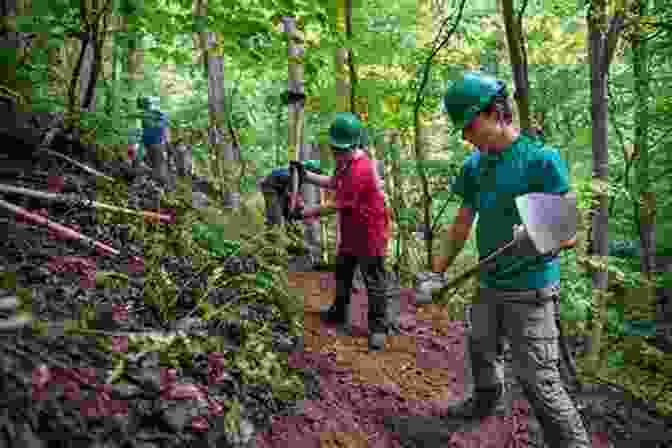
(256,359)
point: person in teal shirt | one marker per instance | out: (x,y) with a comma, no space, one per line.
(518,294)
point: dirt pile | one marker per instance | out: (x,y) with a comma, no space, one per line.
(57,387)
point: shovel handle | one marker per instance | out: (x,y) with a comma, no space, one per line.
(295,189)
(471,271)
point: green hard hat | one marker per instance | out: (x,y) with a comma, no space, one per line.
(346,131)
(470,95)
(312,166)
(148,102)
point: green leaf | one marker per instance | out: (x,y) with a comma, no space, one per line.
(264,280)
(616,359)
(584,137)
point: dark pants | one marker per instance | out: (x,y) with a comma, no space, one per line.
(375,279)
(157,156)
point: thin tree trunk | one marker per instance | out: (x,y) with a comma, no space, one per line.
(311,196)
(343,87)
(602,41)
(341,58)
(647,199)
(518,55)
(424,20)
(86,74)
(222,154)
(15,42)
(393,141)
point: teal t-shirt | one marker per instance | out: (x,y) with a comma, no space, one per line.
(489,184)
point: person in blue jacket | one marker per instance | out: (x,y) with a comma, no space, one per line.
(155,135)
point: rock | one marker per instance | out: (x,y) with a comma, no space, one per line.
(149,379)
(283,343)
(244,437)
(127,391)
(104,319)
(26,438)
(199,200)
(177,416)
(190,324)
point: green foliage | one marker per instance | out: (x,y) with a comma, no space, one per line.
(212,235)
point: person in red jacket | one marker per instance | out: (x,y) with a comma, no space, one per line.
(364,223)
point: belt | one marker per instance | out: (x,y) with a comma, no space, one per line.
(550,292)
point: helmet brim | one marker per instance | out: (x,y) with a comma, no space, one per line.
(340,145)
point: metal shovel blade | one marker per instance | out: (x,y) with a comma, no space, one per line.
(549,219)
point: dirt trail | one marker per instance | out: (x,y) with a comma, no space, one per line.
(418,373)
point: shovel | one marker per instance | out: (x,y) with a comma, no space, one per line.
(548,221)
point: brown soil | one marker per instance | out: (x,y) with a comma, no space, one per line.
(417,374)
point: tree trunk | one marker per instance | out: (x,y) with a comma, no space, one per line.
(15,43)
(343,88)
(311,196)
(421,124)
(116,55)
(599,69)
(518,55)
(393,140)
(135,61)
(341,57)
(311,193)
(647,210)
(222,153)
(86,80)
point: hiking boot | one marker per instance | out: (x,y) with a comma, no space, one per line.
(377,341)
(333,316)
(483,403)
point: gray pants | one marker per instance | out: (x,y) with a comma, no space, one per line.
(157,156)
(527,319)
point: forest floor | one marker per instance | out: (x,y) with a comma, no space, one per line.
(395,398)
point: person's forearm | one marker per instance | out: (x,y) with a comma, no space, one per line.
(320,181)
(568,244)
(451,246)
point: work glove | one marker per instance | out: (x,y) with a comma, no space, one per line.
(300,169)
(524,245)
(425,285)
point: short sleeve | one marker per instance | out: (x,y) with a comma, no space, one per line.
(553,175)
(464,184)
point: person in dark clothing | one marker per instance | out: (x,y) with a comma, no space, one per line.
(364,223)
(276,189)
(155,136)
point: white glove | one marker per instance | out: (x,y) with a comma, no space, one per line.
(425,284)
(429,276)
(524,245)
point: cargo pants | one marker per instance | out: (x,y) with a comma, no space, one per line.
(527,319)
